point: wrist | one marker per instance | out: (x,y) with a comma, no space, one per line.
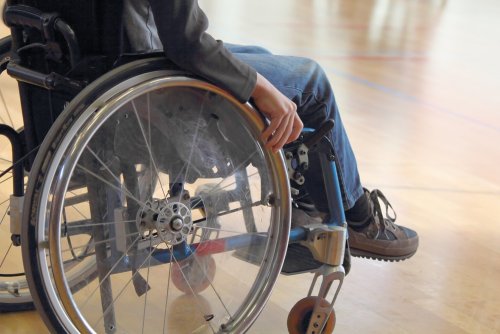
(261,87)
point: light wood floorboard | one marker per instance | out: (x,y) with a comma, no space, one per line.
(417,83)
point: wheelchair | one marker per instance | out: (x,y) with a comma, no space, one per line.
(151,203)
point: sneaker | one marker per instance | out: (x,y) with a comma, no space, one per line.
(381,239)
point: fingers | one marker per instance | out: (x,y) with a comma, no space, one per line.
(284,123)
(271,128)
(281,135)
(281,117)
(296,129)
(287,131)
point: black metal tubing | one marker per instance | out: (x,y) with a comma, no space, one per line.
(5,46)
(318,134)
(71,41)
(51,81)
(17,154)
(22,15)
(46,23)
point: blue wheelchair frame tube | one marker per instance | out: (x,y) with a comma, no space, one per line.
(336,216)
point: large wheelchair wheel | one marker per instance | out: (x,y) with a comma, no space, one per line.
(113,192)
(14,292)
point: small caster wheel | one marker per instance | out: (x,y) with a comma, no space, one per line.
(300,315)
(193,275)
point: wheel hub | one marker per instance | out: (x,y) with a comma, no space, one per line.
(171,220)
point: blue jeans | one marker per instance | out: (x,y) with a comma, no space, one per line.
(304,82)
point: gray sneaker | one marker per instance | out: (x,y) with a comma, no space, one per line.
(381,239)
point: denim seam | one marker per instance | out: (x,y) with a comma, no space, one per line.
(301,91)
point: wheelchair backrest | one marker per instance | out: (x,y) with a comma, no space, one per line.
(97,23)
(98,30)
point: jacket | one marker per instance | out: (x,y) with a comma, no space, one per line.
(181,27)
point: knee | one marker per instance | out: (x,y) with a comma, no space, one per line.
(317,103)
(318,83)
(316,72)
(247,49)
(258,50)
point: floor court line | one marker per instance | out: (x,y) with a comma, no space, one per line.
(436,190)
(412,99)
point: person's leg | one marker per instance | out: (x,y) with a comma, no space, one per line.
(246,49)
(304,82)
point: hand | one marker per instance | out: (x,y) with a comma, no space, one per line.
(284,122)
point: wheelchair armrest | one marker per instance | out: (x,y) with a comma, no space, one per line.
(317,135)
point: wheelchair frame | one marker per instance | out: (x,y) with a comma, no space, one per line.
(325,241)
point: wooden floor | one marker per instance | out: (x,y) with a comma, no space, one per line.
(418,85)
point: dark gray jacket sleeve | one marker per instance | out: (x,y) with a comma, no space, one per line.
(182,29)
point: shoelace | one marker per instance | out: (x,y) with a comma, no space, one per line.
(375,196)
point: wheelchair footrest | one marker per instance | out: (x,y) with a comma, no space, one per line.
(299,259)
(251,254)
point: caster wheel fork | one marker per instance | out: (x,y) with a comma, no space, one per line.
(314,314)
(301,314)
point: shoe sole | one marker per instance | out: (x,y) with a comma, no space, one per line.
(367,255)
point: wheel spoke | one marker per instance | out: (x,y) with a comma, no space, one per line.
(148,145)
(6,179)
(256,234)
(128,194)
(98,224)
(150,141)
(94,243)
(147,290)
(187,163)
(111,271)
(122,220)
(200,307)
(5,256)
(21,160)
(105,166)
(6,210)
(77,210)
(168,292)
(6,107)
(126,285)
(217,188)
